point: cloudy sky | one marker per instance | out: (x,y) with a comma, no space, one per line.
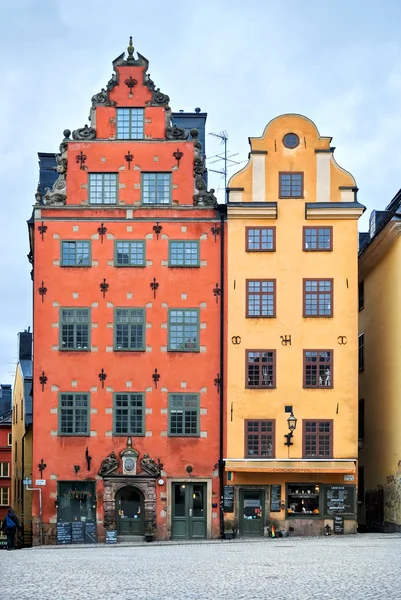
(339,63)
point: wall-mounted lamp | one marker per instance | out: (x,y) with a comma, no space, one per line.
(282,505)
(189,469)
(77,468)
(292,425)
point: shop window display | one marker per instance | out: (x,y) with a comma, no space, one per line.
(303,499)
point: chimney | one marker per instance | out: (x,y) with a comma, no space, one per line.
(25,345)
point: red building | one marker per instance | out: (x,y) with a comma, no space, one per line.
(5,453)
(126,249)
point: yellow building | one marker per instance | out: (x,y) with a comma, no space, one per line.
(22,435)
(292,335)
(379,385)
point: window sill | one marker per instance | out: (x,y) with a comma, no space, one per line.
(128,434)
(260,387)
(263,250)
(318,249)
(291,197)
(260,316)
(182,351)
(184,266)
(180,435)
(129,349)
(76,266)
(74,349)
(318,316)
(318,387)
(130,266)
(73,434)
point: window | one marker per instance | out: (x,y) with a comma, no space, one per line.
(361,351)
(260,368)
(259,439)
(129,329)
(303,499)
(9,440)
(4,496)
(291,140)
(318,239)
(361,420)
(261,298)
(129,414)
(318,297)
(156,188)
(361,295)
(74,414)
(183,330)
(130,123)
(129,254)
(76,501)
(318,368)
(102,188)
(291,185)
(183,414)
(318,439)
(183,254)
(4,469)
(260,239)
(75,324)
(75,254)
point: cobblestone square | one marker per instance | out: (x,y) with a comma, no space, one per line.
(357,567)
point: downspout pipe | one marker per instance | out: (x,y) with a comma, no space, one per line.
(222,300)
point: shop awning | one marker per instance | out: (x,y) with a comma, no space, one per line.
(277,466)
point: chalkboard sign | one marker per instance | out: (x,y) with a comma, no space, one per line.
(90,533)
(339,500)
(111,537)
(338,524)
(63,532)
(275,498)
(77,532)
(228,503)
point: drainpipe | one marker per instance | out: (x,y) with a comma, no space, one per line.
(22,487)
(33,489)
(221,449)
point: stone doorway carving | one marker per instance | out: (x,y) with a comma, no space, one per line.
(114,483)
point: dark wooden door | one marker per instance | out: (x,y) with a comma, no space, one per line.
(130,512)
(252,513)
(189,510)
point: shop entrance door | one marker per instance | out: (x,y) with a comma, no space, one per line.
(130,511)
(189,510)
(252,513)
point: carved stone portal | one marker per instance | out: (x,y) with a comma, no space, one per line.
(145,485)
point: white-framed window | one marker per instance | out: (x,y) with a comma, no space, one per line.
(4,469)
(4,496)
(130,123)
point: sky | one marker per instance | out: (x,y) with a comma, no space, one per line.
(338,63)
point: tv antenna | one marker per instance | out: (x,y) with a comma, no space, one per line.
(225,157)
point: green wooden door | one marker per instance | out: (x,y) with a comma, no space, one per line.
(189,510)
(130,512)
(252,513)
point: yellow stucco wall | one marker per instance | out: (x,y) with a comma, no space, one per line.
(380,381)
(289,264)
(18,430)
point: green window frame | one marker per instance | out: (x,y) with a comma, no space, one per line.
(183,415)
(103,188)
(73,413)
(75,329)
(75,253)
(183,330)
(130,253)
(129,413)
(156,188)
(129,329)
(130,123)
(183,253)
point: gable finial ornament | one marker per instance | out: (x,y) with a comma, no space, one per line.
(57,196)
(176,133)
(130,50)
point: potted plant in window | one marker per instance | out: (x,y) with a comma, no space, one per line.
(149,531)
(228,529)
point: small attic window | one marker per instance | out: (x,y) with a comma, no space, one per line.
(291,140)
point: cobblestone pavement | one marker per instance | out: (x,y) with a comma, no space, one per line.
(355,567)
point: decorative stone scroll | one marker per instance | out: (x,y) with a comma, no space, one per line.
(84,133)
(176,133)
(57,196)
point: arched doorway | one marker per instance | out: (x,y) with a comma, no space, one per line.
(130,512)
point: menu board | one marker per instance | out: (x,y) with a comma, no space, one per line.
(275,498)
(228,502)
(77,532)
(338,524)
(339,500)
(90,533)
(63,533)
(111,536)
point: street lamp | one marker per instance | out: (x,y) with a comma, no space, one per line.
(292,425)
